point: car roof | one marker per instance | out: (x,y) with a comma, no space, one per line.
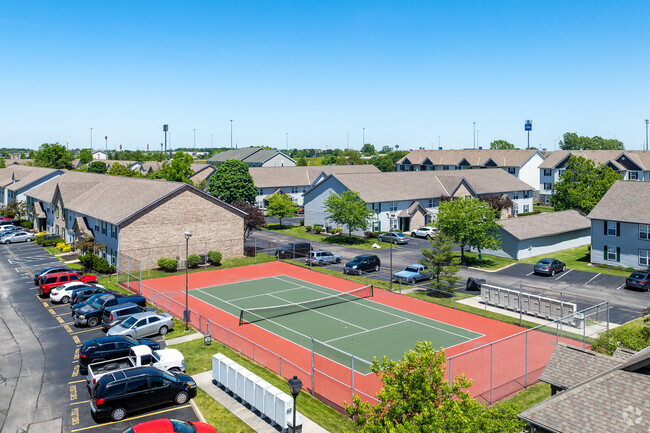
(638,274)
(58,274)
(364,256)
(546,260)
(106,339)
(120,306)
(144,314)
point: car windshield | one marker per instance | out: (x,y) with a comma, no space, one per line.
(414,269)
(639,275)
(132,340)
(545,262)
(182,426)
(128,322)
(97,303)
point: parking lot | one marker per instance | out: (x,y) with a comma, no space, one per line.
(43,355)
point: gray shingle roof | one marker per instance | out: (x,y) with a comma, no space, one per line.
(269,177)
(570,365)
(639,157)
(254,155)
(545,224)
(15,177)
(476,157)
(626,200)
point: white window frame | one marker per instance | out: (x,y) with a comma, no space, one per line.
(548,172)
(611,228)
(633,175)
(393,224)
(644,232)
(526,208)
(260,191)
(611,253)
(392,206)
(512,170)
(644,257)
(294,190)
(548,186)
(432,202)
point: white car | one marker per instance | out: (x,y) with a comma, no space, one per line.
(63,293)
(423,232)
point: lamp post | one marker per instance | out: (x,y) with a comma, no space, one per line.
(188,235)
(91,139)
(474,133)
(231,133)
(195,138)
(165,129)
(295,385)
(391,217)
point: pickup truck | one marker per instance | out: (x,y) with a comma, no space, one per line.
(91,313)
(163,359)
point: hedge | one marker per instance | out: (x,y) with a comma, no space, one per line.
(167,264)
(95,263)
(214,257)
(193,261)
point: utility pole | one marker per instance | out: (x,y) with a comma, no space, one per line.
(194,138)
(231,133)
(91,139)
(165,129)
(474,134)
(364,138)
(646,133)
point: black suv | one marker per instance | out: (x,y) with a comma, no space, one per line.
(79,296)
(124,391)
(109,347)
(293,250)
(363,263)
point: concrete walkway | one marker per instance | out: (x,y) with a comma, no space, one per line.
(184,339)
(204,381)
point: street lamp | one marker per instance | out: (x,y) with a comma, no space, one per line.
(231,133)
(295,385)
(188,235)
(165,129)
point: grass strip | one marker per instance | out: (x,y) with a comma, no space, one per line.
(218,416)
(531,396)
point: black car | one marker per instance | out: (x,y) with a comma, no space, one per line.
(549,266)
(293,250)
(363,263)
(50,270)
(82,295)
(638,280)
(124,391)
(109,347)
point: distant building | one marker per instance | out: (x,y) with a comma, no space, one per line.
(98,154)
(254,157)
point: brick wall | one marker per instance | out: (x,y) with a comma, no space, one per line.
(159,232)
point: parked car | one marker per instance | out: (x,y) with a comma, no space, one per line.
(638,280)
(322,257)
(109,347)
(362,263)
(117,313)
(50,270)
(64,292)
(119,393)
(393,238)
(144,324)
(549,266)
(140,356)
(19,236)
(423,232)
(8,228)
(47,282)
(81,296)
(171,426)
(412,274)
(91,314)
(293,250)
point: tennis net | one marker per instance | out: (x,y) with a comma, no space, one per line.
(252,315)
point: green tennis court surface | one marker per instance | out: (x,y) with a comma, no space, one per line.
(359,327)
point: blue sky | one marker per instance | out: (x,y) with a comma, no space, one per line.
(406,71)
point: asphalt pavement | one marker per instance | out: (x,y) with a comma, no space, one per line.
(39,356)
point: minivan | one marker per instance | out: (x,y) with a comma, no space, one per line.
(91,313)
(125,391)
(293,250)
(117,313)
(362,263)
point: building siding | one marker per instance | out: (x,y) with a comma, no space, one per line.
(514,248)
(627,241)
(279,160)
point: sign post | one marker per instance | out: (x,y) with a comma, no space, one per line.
(528,126)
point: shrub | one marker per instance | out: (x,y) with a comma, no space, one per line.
(167,264)
(214,257)
(92,262)
(371,235)
(339,230)
(26,224)
(60,246)
(307,228)
(50,242)
(66,249)
(193,261)
(318,228)
(302,222)
(535,212)
(633,336)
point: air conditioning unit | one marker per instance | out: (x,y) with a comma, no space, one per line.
(261,388)
(249,388)
(216,366)
(269,404)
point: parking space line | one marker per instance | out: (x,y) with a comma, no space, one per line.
(76,381)
(76,353)
(85,330)
(67,328)
(74,414)
(52,312)
(131,419)
(563,274)
(63,314)
(620,287)
(79,402)
(60,320)
(76,339)
(530,273)
(75,371)
(73,392)
(596,276)
(63,322)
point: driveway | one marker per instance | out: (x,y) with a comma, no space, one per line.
(39,356)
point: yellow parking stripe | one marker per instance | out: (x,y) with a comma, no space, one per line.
(130,419)
(85,330)
(79,402)
(76,381)
(76,339)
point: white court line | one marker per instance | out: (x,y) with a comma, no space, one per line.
(620,287)
(392,314)
(530,273)
(10,262)
(592,279)
(262,294)
(368,330)
(563,274)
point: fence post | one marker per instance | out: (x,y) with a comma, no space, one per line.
(352,364)
(561,314)
(231,253)
(199,322)
(255,249)
(229,347)
(312,366)
(128,262)
(520,310)
(140,280)
(205,252)
(178,257)
(526,363)
(491,375)
(607,317)
(149,262)
(584,332)
(557,331)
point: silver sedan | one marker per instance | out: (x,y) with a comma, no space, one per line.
(17,237)
(144,324)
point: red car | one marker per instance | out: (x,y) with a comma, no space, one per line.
(47,282)
(171,426)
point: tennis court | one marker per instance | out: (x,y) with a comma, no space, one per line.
(298,310)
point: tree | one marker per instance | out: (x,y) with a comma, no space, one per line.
(385,149)
(85,156)
(501,144)
(97,167)
(118,169)
(573,141)
(329,160)
(233,182)
(368,149)
(281,206)
(383,163)
(349,210)
(178,169)
(442,263)
(53,156)
(582,185)
(301,162)
(3,164)
(469,222)
(350,157)
(416,397)
(254,219)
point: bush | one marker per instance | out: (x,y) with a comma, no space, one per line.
(535,212)
(60,246)
(371,235)
(66,249)
(339,230)
(214,257)
(302,222)
(318,228)
(167,264)
(633,336)
(50,242)
(193,261)
(92,262)
(26,224)
(307,228)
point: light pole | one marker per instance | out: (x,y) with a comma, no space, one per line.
(91,139)
(287,141)
(364,138)
(188,235)
(231,133)
(646,133)
(295,385)
(348,141)
(106,138)
(195,138)
(391,217)
(474,134)
(165,129)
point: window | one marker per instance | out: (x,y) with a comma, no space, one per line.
(294,190)
(548,186)
(393,224)
(612,253)
(512,170)
(260,191)
(445,167)
(260,204)
(137,385)
(393,206)
(304,189)
(515,196)
(57,230)
(515,209)
(526,208)
(432,202)
(96,226)
(113,231)
(612,228)
(644,231)
(644,257)
(547,172)
(633,175)
(561,172)
(104,230)
(154,319)
(376,207)
(376,226)
(56,209)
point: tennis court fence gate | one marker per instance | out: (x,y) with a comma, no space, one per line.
(498,369)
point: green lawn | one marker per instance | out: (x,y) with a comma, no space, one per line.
(199,359)
(528,398)
(487,262)
(543,208)
(218,416)
(343,239)
(578,259)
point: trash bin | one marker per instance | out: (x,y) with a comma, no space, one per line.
(204,259)
(579,320)
(474,284)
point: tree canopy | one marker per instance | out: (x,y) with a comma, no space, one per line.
(97,167)
(501,144)
(573,141)
(301,162)
(53,156)
(85,156)
(582,185)
(388,162)
(368,149)
(469,222)
(254,218)
(233,182)
(178,169)
(3,164)
(350,157)
(349,210)
(416,397)
(118,169)
(281,206)
(442,263)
